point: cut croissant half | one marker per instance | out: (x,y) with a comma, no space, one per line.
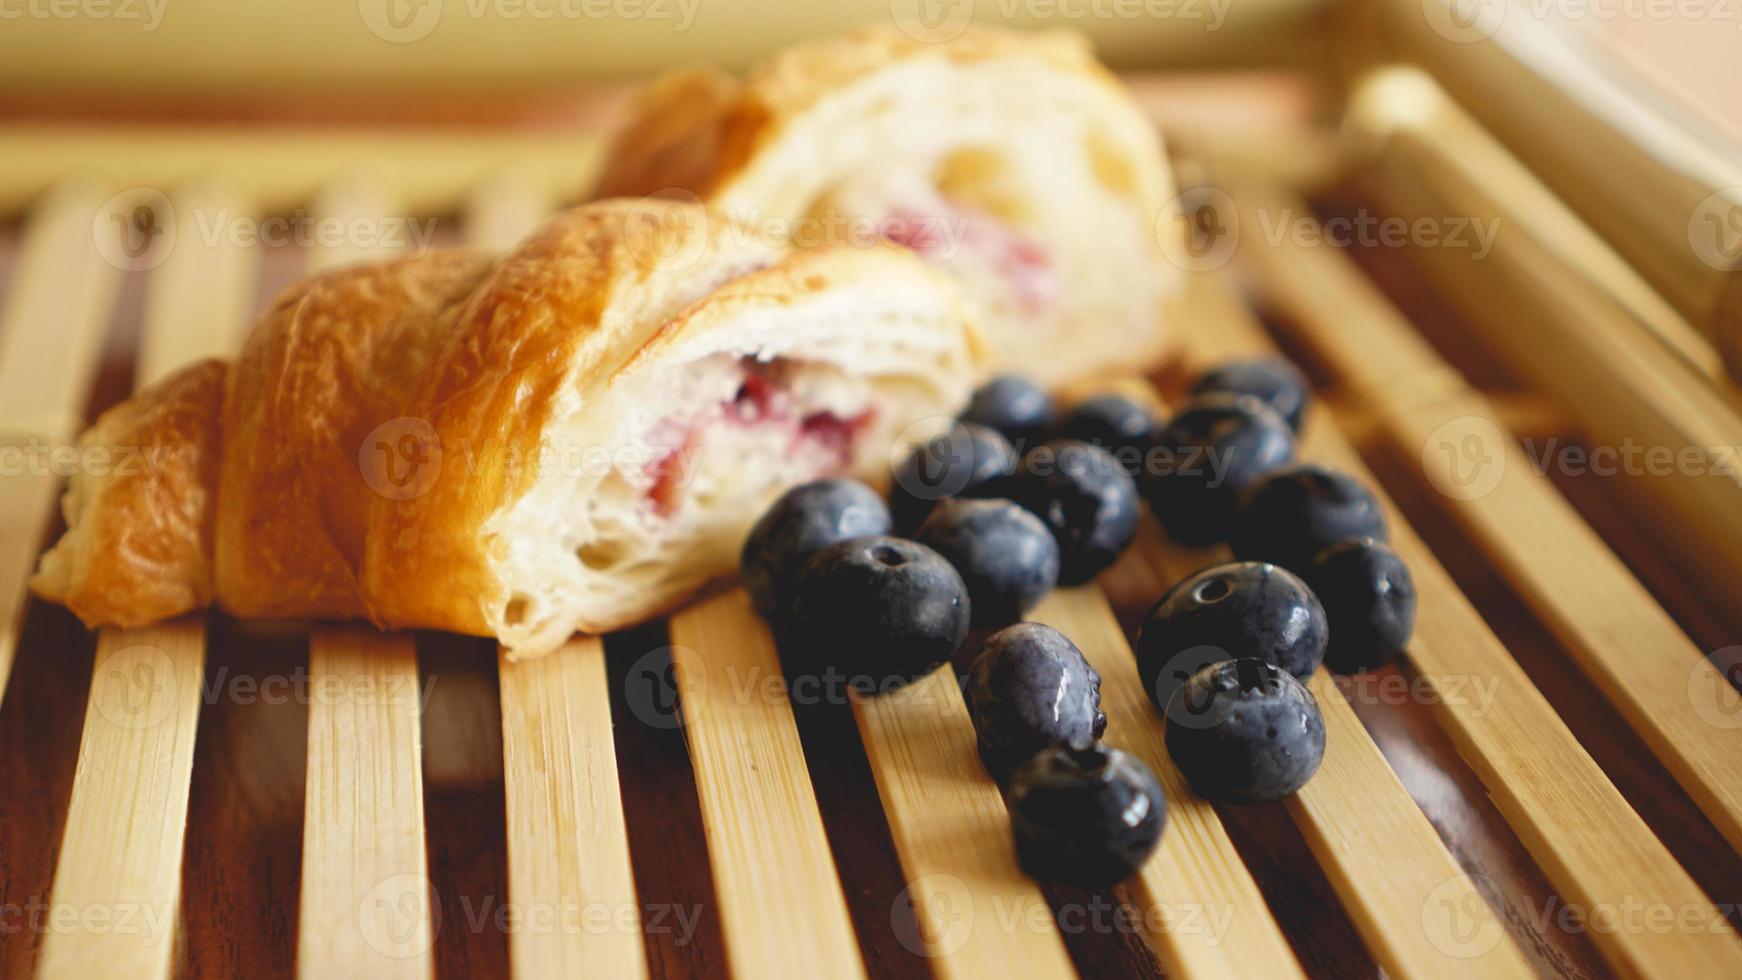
(1013,160)
(574,437)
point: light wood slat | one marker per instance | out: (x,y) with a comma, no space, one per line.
(766,845)
(1215,920)
(1642,172)
(119,870)
(1668,691)
(1378,850)
(282,168)
(1550,791)
(366,902)
(197,303)
(57,307)
(977,914)
(568,847)
(372,222)
(1610,368)
(137,752)
(365,880)
(504,208)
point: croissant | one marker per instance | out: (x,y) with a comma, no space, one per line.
(1014,160)
(574,437)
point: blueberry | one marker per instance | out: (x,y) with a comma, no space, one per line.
(1208,454)
(1242,731)
(953,463)
(1029,687)
(1369,597)
(1083,496)
(1014,406)
(804,520)
(1007,557)
(1291,516)
(1085,815)
(879,610)
(1229,611)
(1271,379)
(1114,423)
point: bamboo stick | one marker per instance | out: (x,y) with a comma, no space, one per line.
(1378,850)
(1203,913)
(568,846)
(280,170)
(1550,791)
(766,844)
(1622,387)
(1657,184)
(200,298)
(977,915)
(117,883)
(366,903)
(136,756)
(51,332)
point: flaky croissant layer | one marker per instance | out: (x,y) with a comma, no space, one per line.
(575,436)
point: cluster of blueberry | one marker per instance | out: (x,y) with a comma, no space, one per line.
(976,534)
(1224,652)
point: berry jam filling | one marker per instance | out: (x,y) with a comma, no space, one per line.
(1025,264)
(762,402)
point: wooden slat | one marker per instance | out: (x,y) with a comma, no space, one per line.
(977,914)
(503,208)
(1550,791)
(1639,170)
(568,847)
(198,301)
(1609,330)
(141,765)
(281,168)
(371,222)
(1612,628)
(62,292)
(769,854)
(365,880)
(1215,920)
(119,872)
(1377,849)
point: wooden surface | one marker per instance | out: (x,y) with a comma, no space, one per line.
(770,855)
(568,854)
(322,836)
(1211,919)
(1658,184)
(1552,792)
